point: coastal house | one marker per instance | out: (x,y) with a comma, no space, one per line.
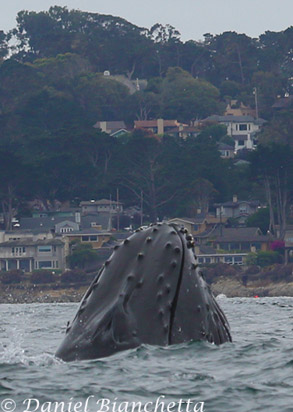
(113,128)
(236,108)
(243,239)
(158,126)
(282,103)
(226,151)
(201,223)
(237,209)
(25,234)
(29,255)
(183,131)
(242,129)
(91,236)
(101,206)
(60,225)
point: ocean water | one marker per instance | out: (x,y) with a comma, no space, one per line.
(254,373)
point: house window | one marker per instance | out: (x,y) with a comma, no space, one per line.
(240,142)
(224,246)
(93,238)
(46,264)
(229,260)
(66,229)
(85,238)
(242,127)
(238,260)
(243,209)
(45,249)
(18,251)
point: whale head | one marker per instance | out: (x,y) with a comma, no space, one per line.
(150,291)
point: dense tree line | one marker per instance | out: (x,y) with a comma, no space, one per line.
(53,90)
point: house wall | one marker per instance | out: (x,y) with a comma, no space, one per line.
(30,258)
(96,240)
(245,129)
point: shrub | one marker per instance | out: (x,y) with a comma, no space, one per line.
(42,276)
(11,276)
(73,276)
(267,258)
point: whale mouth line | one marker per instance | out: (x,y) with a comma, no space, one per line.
(176,297)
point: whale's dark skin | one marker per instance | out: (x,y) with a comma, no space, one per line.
(150,291)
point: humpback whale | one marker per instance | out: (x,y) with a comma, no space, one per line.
(150,291)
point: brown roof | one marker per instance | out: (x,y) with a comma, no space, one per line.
(154,123)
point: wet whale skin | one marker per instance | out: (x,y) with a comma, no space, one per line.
(150,291)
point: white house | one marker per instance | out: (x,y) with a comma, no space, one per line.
(243,129)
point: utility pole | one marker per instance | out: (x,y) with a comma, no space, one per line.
(256,101)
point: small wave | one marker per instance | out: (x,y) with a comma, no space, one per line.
(221,296)
(12,355)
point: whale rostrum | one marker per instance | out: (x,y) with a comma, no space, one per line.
(150,291)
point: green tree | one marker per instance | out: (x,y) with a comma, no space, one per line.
(185,98)
(273,167)
(260,219)
(82,256)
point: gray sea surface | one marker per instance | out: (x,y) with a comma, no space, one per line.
(254,373)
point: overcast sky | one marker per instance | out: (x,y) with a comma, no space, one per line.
(192,18)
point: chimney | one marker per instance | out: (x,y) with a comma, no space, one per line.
(77,217)
(103,126)
(235,199)
(160,124)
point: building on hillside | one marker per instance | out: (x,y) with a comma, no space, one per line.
(113,128)
(183,132)
(226,151)
(29,255)
(62,213)
(158,126)
(283,103)
(101,206)
(237,209)
(33,234)
(201,223)
(243,239)
(242,129)
(234,108)
(91,237)
(59,225)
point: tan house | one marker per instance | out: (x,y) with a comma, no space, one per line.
(197,225)
(243,239)
(235,108)
(90,236)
